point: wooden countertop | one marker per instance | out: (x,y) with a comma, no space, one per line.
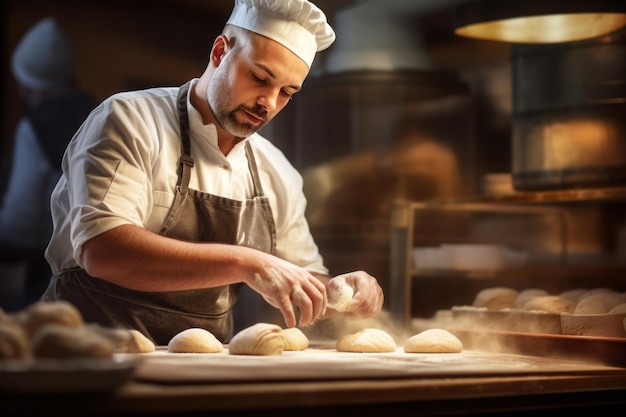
(366,397)
(366,384)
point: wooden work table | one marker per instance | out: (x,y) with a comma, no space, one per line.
(327,383)
(460,396)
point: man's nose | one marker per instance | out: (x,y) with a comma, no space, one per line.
(268,100)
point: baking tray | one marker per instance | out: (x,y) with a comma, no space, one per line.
(600,350)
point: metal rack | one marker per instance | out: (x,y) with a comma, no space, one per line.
(532,222)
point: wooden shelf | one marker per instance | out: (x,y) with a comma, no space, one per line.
(593,195)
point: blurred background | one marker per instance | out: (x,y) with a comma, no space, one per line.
(408,137)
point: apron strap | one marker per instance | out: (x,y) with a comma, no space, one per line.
(186,161)
(256,180)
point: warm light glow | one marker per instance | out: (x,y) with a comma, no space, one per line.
(582,142)
(546,29)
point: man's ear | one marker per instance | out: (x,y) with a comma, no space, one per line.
(221,45)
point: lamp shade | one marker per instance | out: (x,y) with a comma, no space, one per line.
(539,21)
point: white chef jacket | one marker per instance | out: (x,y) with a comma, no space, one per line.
(122,167)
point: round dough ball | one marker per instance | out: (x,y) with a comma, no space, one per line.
(42,313)
(594,291)
(592,305)
(550,304)
(125,340)
(573,294)
(339,293)
(13,342)
(619,309)
(367,340)
(119,337)
(526,295)
(295,339)
(433,341)
(600,302)
(264,339)
(139,343)
(495,298)
(61,342)
(195,340)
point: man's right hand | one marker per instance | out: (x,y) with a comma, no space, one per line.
(289,287)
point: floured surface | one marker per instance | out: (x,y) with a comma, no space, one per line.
(319,363)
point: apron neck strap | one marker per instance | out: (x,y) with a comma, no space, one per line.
(186,161)
(256,180)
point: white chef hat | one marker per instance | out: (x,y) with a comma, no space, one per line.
(298,25)
(44,57)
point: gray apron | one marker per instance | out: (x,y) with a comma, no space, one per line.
(195,216)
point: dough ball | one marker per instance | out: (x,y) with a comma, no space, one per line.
(594,291)
(124,340)
(339,293)
(195,340)
(574,294)
(598,303)
(550,304)
(495,298)
(60,342)
(295,339)
(433,341)
(43,313)
(619,309)
(259,339)
(592,305)
(139,343)
(119,337)
(13,342)
(526,295)
(366,340)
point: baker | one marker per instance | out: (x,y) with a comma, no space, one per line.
(170,201)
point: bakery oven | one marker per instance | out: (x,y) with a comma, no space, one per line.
(569,103)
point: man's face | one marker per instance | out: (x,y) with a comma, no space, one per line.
(253,83)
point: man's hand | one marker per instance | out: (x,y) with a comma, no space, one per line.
(287,287)
(355,293)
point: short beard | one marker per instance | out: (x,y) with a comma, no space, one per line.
(228,121)
(226,118)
